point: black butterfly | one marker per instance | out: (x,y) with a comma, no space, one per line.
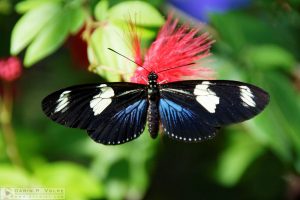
(190,111)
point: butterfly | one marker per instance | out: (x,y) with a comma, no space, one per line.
(190,111)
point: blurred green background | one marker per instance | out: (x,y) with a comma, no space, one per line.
(256,41)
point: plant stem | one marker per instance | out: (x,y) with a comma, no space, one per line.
(6,126)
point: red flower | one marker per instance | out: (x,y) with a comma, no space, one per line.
(10,69)
(173,55)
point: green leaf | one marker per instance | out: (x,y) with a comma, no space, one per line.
(227,69)
(242,150)
(116,189)
(76,180)
(110,36)
(142,13)
(145,33)
(285,107)
(267,130)
(25,6)
(235,35)
(239,29)
(77,17)
(25,30)
(269,57)
(278,126)
(11,176)
(49,39)
(101,10)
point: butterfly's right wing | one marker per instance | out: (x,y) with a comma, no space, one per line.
(194,110)
(112,113)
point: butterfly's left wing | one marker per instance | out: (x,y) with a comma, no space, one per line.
(112,113)
(194,110)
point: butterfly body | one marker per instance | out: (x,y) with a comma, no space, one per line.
(153,99)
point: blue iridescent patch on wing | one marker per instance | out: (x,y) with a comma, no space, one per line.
(182,123)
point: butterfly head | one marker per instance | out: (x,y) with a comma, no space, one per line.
(152,77)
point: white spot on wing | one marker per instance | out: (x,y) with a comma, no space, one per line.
(247,96)
(62,101)
(98,104)
(107,92)
(206,97)
(102,85)
(102,100)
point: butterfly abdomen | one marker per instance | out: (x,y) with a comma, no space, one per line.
(153,118)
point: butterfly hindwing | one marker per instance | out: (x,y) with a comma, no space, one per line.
(112,113)
(180,120)
(193,110)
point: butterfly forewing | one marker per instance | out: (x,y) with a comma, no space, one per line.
(112,113)
(193,110)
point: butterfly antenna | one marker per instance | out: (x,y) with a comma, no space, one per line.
(128,59)
(174,68)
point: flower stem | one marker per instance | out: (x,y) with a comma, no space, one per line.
(6,126)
